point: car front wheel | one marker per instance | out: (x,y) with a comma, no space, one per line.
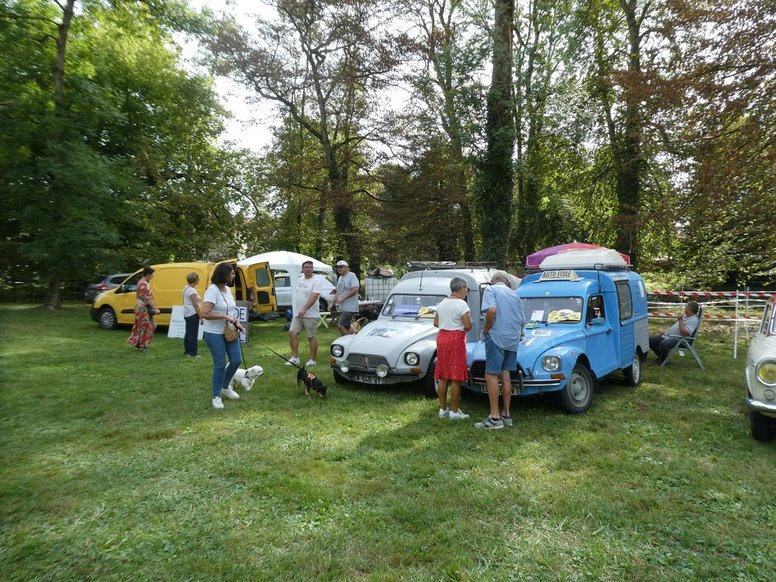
(107,318)
(339,378)
(577,396)
(429,383)
(760,426)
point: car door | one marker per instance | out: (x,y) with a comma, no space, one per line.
(261,288)
(601,349)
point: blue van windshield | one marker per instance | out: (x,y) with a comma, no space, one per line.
(553,309)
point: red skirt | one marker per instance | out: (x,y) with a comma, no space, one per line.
(451,355)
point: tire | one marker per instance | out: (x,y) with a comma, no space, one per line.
(577,396)
(760,426)
(107,318)
(633,372)
(339,378)
(429,383)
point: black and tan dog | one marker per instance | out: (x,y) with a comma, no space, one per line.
(311,382)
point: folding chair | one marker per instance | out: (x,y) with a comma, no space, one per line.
(686,343)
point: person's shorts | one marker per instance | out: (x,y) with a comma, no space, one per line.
(345,319)
(498,359)
(309,324)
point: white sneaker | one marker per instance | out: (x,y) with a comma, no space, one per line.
(444,412)
(310,363)
(229,393)
(457,415)
(292,362)
(217,402)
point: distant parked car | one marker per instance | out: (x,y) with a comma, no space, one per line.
(103,283)
(761,376)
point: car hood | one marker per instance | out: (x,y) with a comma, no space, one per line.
(535,343)
(390,338)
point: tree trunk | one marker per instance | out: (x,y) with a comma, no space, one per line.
(628,156)
(496,181)
(55,282)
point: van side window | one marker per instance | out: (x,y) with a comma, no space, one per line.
(595,308)
(625,300)
(131,285)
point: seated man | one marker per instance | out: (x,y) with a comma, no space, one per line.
(685,325)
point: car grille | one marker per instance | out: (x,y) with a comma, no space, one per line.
(477,374)
(366,362)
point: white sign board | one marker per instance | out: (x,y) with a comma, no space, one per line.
(177,327)
(178,324)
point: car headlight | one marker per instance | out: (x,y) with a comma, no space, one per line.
(551,363)
(344,366)
(337,350)
(766,372)
(411,359)
(382,371)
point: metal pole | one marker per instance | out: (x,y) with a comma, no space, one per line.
(735,333)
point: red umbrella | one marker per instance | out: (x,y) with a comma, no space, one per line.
(533,260)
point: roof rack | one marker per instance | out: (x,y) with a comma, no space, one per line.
(443,265)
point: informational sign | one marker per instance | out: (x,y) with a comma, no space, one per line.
(177,327)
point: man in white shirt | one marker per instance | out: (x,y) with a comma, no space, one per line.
(685,325)
(306,314)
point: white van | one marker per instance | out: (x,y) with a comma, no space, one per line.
(286,268)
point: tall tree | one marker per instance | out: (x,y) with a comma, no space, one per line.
(323,62)
(495,182)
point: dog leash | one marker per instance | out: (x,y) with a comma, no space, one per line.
(282,357)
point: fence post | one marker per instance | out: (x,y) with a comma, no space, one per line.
(735,332)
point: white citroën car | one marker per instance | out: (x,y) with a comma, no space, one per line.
(400,346)
(761,376)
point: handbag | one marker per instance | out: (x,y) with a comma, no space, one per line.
(231,333)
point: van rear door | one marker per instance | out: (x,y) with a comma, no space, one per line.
(261,287)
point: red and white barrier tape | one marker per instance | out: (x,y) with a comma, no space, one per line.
(657,314)
(765,294)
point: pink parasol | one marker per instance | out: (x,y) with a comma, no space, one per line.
(533,260)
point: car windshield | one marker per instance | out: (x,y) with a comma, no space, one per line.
(415,306)
(553,309)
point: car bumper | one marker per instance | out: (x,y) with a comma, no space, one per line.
(762,407)
(370,377)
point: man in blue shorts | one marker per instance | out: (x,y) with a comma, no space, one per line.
(502,331)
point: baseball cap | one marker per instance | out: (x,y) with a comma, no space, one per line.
(342,263)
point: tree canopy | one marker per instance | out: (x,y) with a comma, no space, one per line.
(436,129)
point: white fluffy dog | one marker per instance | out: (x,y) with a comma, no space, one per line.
(246,378)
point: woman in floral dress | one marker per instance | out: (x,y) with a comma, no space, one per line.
(143,331)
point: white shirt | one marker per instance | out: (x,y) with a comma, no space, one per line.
(188,306)
(303,293)
(450,314)
(222,301)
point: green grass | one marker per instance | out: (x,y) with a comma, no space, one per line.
(115,467)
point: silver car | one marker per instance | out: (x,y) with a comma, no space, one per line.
(400,345)
(761,376)
(103,283)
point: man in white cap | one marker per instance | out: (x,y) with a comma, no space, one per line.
(346,299)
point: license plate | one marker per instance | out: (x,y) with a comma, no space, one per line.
(369,379)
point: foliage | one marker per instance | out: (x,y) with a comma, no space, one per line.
(122,168)
(119,470)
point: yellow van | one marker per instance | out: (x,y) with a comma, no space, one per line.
(117,307)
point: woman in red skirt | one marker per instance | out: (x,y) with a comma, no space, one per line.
(453,318)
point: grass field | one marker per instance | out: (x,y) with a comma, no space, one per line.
(114,466)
